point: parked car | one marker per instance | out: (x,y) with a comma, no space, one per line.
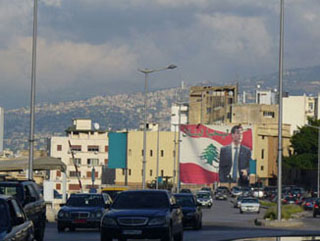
(289,200)
(143,214)
(316,208)
(208,189)
(250,205)
(82,210)
(192,213)
(223,188)
(236,191)
(237,202)
(14,224)
(258,193)
(28,194)
(204,198)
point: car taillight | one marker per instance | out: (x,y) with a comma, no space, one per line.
(316,206)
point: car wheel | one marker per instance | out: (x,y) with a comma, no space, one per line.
(168,236)
(40,232)
(104,237)
(60,228)
(179,236)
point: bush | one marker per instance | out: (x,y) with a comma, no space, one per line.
(286,211)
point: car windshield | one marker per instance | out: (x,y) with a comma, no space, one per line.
(203,195)
(85,201)
(141,200)
(12,190)
(4,220)
(250,201)
(185,201)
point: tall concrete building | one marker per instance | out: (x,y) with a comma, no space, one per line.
(175,116)
(212,104)
(90,148)
(1,128)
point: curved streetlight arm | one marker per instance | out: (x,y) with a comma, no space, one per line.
(148,71)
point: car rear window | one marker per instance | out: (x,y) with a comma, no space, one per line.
(85,201)
(185,201)
(141,200)
(250,201)
(12,190)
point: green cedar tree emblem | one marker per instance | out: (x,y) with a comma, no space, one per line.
(210,155)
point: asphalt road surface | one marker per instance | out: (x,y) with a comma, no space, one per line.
(221,222)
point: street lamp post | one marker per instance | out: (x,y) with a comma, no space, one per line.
(318,182)
(146,72)
(33,88)
(280,111)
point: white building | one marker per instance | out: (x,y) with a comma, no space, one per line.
(297,109)
(175,116)
(90,148)
(266,97)
(1,128)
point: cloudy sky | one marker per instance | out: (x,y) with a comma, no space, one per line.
(94,47)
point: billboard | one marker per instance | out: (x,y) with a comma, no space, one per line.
(117,155)
(215,153)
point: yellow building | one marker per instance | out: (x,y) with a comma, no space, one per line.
(167,163)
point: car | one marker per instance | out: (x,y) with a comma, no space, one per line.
(143,214)
(316,210)
(82,210)
(28,194)
(192,213)
(258,193)
(221,195)
(249,205)
(308,203)
(223,188)
(14,224)
(185,190)
(208,189)
(237,202)
(204,198)
(236,191)
(289,200)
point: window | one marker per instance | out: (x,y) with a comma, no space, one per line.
(75,148)
(151,152)
(262,154)
(150,172)
(74,174)
(129,152)
(59,147)
(162,173)
(123,172)
(162,153)
(74,187)
(129,172)
(106,148)
(268,114)
(142,152)
(262,137)
(262,168)
(58,186)
(75,161)
(58,173)
(93,148)
(106,162)
(89,174)
(93,162)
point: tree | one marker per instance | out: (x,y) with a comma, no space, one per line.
(210,155)
(305,147)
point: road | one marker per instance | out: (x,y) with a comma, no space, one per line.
(221,222)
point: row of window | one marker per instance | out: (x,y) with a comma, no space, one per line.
(88,174)
(150,172)
(90,148)
(89,161)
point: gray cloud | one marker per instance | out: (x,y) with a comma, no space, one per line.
(95,47)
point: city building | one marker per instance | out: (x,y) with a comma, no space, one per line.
(1,128)
(166,153)
(266,97)
(212,104)
(297,110)
(89,145)
(175,109)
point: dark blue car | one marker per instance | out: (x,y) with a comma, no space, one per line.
(143,214)
(83,210)
(192,213)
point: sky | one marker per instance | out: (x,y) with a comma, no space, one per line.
(95,47)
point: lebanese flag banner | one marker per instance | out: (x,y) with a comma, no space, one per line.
(200,151)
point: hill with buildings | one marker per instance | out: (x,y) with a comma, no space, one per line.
(125,111)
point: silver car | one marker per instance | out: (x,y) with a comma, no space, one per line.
(251,205)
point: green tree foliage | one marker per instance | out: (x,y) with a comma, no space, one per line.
(305,147)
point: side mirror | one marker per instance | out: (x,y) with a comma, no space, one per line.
(107,205)
(20,220)
(62,204)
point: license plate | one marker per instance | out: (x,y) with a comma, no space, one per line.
(132,232)
(80,221)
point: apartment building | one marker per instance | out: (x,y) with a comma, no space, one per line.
(212,104)
(1,128)
(90,148)
(166,155)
